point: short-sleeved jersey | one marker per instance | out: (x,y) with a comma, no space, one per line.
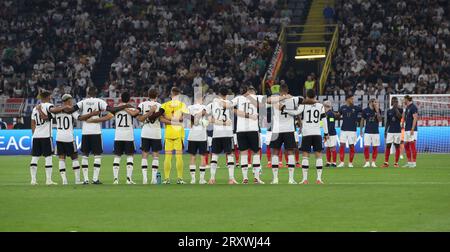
(311,116)
(409,118)
(124,126)
(198,130)
(64,126)
(370,116)
(351,115)
(394,121)
(331,122)
(219,113)
(174,110)
(281,121)
(150,129)
(87,106)
(243,104)
(43,127)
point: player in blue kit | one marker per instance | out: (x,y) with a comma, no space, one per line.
(411,115)
(371,116)
(350,116)
(331,142)
(393,132)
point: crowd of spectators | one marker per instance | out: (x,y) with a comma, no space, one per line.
(57,45)
(391,47)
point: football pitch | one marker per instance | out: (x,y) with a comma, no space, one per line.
(353,199)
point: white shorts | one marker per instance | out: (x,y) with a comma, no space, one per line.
(331,142)
(394,138)
(348,137)
(268,137)
(409,137)
(371,139)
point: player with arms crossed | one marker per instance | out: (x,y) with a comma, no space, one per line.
(222,139)
(283,130)
(330,143)
(197,139)
(393,132)
(65,141)
(312,113)
(371,117)
(246,108)
(149,113)
(351,115)
(411,115)
(91,139)
(123,137)
(42,145)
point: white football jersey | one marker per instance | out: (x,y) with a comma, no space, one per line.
(87,106)
(311,115)
(243,104)
(43,127)
(151,130)
(282,121)
(197,132)
(64,126)
(220,113)
(124,126)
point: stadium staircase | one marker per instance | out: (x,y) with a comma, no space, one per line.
(101,71)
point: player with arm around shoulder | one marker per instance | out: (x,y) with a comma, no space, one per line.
(197,139)
(149,113)
(312,113)
(42,145)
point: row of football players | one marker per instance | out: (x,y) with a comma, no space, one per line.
(285,108)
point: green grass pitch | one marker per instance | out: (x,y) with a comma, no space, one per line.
(353,199)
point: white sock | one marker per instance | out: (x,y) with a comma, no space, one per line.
(291,165)
(76,170)
(85,167)
(116,167)
(33,168)
(144,166)
(275,166)
(230,166)
(319,165)
(213,166)
(62,170)
(202,173)
(97,165)
(192,169)
(305,166)
(48,168)
(155,166)
(256,165)
(130,166)
(244,166)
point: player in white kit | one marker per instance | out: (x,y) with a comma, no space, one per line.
(197,139)
(123,137)
(283,131)
(149,113)
(220,117)
(91,141)
(312,113)
(42,145)
(65,141)
(247,131)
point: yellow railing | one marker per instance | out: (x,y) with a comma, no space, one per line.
(327,64)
